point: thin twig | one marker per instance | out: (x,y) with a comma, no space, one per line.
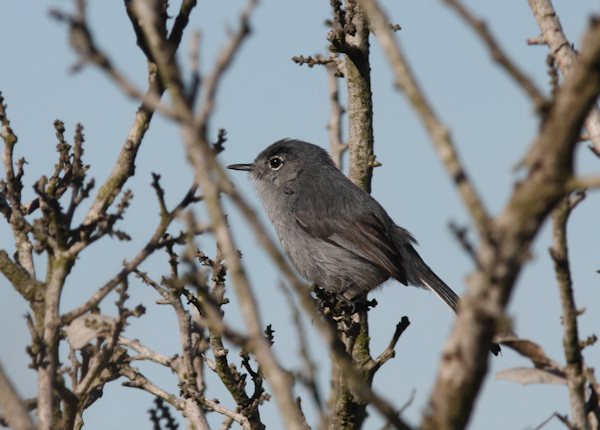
(188,406)
(12,195)
(334,126)
(125,164)
(225,59)
(560,254)
(89,52)
(239,418)
(145,353)
(389,351)
(313,60)
(562,418)
(480,27)
(461,235)
(439,133)
(151,246)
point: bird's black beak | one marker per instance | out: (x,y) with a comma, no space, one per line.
(245,167)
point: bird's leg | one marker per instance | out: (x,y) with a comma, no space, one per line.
(335,305)
(348,306)
(340,306)
(326,299)
(359,303)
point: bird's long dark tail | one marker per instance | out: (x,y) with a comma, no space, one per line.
(418,273)
(431,281)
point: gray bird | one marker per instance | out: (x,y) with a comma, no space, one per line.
(335,233)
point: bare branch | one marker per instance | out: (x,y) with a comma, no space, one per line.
(556,415)
(355,46)
(145,353)
(539,40)
(461,235)
(389,352)
(498,54)
(225,59)
(181,22)
(160,412)
(188,406)
(239,418)
(151,246)
(584,183)
(334,126)
(439,133)
(202,158)
(566,57)
(19,278)
(560,254)
(533,352)
(83,43)
(313,60)
(20,227)
(125,164)
(51,324)
(13,408)
(464,363)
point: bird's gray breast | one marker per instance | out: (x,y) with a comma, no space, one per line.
(319,260)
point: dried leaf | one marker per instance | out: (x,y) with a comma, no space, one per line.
(531,375)
(531,350)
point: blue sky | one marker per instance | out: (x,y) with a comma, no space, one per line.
(266,97)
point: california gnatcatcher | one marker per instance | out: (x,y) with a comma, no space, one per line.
(335,233)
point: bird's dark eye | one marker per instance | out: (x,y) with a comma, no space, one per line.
(275,162)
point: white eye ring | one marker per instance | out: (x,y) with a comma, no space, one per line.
(275,162)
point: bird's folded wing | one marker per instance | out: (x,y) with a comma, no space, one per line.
(366,237)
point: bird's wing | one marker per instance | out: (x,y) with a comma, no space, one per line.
(366,237)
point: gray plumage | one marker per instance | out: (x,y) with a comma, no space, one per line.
(335,234)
